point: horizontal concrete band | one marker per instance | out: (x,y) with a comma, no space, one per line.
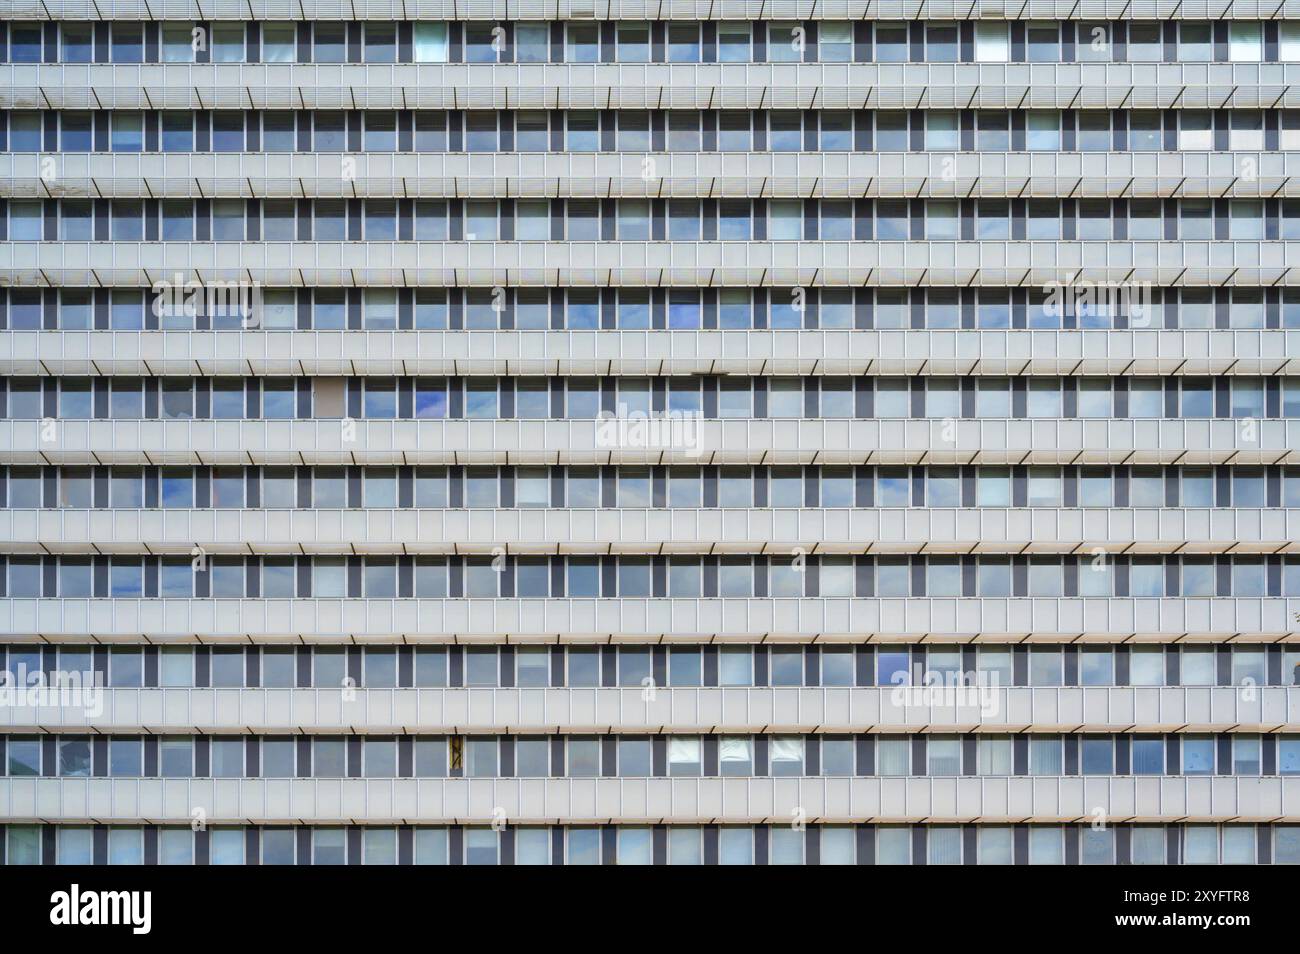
(379,712)
(829,441)
(630,801)
(262,351)
(386,621)
(652,86)
(677,530)
(1101,10)
(1002,264)
(640,10)
(652,175)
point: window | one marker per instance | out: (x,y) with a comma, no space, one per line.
(633,42)
(1198,664)
(995,845)
(943,756)
(583,135)
(684,132)
(785,42)
(1148,755)
(1198,755)
(1144,43)
(634,667)
(786,846)
(1195,130)
(634,845)
(733,43)
(1148,845)
(1195,42)
(1288,755)
(735,845)
(429,43)
(944,845)
(583,754)
(77,43)
(24,43)
(532,757)
(481,757)
(175,757)
(177,42)
(1245,217)
(736,756)
(1246,754)
(25,133)
(838,756)
(894,845)
(1238,844)
(482,846)
(23,754)
(328,756)
(893,756)
(992,43)
(838,844)
(1045,755)
(279,43)
(634,759)
(836,133)
(379,758)
(1096,756)
(278,757)
(786,756)
(74,758)
(1245,41)
(1044,41)
(1045,666)
(226,667)
(1093,131)
(685,845)
(175,846)
(226,759)
(25,221)
(127,42)
(328,846)
(1146,663)
(1043,134)
(1046,845)
(1246,130)
(227,846)
(74,845)
(891,44)
(1096,666)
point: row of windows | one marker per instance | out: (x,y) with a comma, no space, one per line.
(1237,844)
(579,487)
(632,130)
(640,309)
(629,577)
(632,756)
(639,667)
(677,41)
(710,397)
(643,220)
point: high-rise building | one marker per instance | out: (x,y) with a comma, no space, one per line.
(638,432)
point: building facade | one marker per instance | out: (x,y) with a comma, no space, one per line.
(622,432)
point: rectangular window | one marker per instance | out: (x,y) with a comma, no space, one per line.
(992,43)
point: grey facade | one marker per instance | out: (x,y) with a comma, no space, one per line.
(697,433)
